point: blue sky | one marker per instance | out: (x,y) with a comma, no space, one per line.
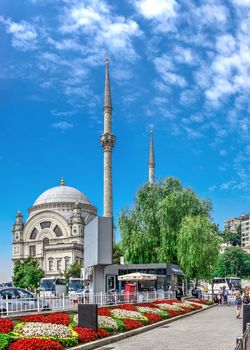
(182,67)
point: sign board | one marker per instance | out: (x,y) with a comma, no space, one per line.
(87,316)
(98,242)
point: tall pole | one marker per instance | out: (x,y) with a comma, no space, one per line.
(107,142)
(151,163)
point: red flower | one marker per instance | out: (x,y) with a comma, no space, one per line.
(185,308)
(85,334)
(153,318)
(172,301)
(6,325)
(131,324)
(103,311)
(148,305)
(102,333)
(35,344)
(173,313)
(128,307)
(197,307)
(57,318)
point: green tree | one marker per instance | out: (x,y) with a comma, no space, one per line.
(73,271)
(198,247)
(233,262)
(234,238)
(117,253)
(150,229)
(27,273)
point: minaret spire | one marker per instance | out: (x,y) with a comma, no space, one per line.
(107,92)
(107,142)
(151,163)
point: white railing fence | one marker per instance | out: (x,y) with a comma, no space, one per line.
(11,306)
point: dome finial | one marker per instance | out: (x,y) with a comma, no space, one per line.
(62,182)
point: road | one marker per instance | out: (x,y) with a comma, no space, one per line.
(213,329)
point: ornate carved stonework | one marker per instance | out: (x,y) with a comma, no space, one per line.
(107,141)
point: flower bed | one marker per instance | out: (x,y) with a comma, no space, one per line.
(6,325)
(57,331)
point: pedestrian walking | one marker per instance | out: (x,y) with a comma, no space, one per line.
(225,295)
(221,295)
(238,303)
(246,298)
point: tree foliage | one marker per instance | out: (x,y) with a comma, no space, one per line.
(73,271)
(233,262)
(234,238)
(198,247)
(117,253)
(150,229)
(27,273)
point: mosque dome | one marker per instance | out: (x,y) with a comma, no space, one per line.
(63,199)
(62,194)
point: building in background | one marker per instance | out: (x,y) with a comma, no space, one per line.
(245,230)
(241,223)
(232,224)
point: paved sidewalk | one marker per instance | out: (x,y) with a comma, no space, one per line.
(213,329)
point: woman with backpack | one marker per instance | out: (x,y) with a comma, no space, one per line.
(238,303)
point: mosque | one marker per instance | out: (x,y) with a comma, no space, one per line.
(54,231)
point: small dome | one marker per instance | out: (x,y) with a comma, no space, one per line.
(62,194)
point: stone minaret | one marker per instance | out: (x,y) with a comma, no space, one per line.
(151,163)
(108,142)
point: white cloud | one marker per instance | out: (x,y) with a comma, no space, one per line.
(165,68)
(103,29)
(24,34)
(162,13)
(63,126)
(242,2)
(156,8)
(211,14)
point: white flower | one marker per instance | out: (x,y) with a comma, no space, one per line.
(126,313)
(150,310)
(39,329)
(106,321)
(169,307)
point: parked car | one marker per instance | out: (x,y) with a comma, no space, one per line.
(19,300)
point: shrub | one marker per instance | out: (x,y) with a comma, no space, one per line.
(131,324)
(6,325)
(35,344)
(153,318)
(5,340)
(102,333)
(85,334)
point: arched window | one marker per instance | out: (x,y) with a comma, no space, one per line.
(58,231)
(45,224)
(33,234)
(45,242)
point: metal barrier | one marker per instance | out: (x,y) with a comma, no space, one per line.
(37,304)
(243,343)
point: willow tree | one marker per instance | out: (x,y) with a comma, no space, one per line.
(198,247)
(150,229)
